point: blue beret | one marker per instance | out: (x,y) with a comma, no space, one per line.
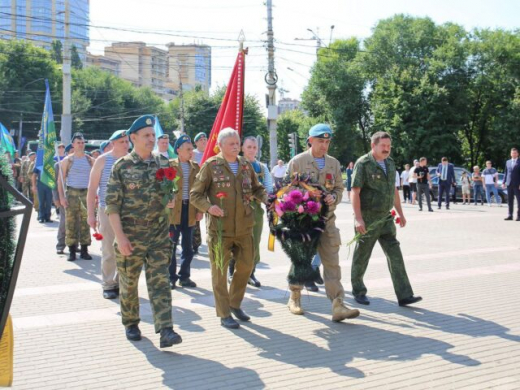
(181,140)
(68,148)
(103,145)
(199,136)
(31,154)
(141,123)
(118,134)
(77,136)
(320,130)
(164,136)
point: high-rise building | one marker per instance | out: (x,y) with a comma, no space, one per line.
(287,104)
(43,21)
(189,64)
(104,63)
(144,66)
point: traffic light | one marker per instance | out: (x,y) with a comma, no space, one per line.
(293,145)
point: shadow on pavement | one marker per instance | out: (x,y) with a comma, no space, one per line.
(87,269)
(346,341)
(464,324)
(185,371)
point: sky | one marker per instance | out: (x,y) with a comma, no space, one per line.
(218,23)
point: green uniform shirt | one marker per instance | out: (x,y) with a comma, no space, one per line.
(377,187)
(216,176)
(133,191)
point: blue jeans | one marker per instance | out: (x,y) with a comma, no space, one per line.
(316,262)
(478,190)
(186,245)
(45,200)
(489,188)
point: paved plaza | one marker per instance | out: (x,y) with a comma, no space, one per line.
(464,262)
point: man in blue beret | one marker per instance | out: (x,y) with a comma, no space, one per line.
(69,149)
(183,219)
(139,218)
(324,170)
(97,187)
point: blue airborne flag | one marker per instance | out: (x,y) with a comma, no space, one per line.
(158,132)
(48,131)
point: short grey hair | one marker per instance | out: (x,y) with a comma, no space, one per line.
(228,132)
(251,138)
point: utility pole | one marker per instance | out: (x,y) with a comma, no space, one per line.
(66,117)
(181,96)
(271,79)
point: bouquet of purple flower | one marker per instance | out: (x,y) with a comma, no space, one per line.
(296,218)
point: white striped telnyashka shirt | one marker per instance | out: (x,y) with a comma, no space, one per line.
(382,165)
(185,180)
(105,175)
(320,162)
(234,167)
(79,174)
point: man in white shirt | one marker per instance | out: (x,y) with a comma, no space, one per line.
(413,181)
(278,172)
(405,177)
(163,142)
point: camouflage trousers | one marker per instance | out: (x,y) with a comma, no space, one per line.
(154,253)
(26,190)
(242,250)
(76,218)
(386,235)
(197,237)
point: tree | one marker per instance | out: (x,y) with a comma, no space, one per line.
(337,94)
(74,58)
(57,52)
(23,68)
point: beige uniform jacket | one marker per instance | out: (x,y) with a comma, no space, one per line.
(216,177)
(175,213)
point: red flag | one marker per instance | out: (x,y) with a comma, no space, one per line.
(231,111)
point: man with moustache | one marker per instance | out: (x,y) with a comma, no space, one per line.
(373,196)
(98,187)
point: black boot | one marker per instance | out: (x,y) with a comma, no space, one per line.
(72,253)
(253,281)
(84,253)
(169,337)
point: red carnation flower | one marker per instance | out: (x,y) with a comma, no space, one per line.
(170,173)
(98,236)
(221,195)
(328,176)
(398,220)
(159,175)
(393,213)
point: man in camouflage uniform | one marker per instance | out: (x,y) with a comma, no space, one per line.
(373,196)
(75,171)
(229,174)
(140,223)
(26,175)
(325,170)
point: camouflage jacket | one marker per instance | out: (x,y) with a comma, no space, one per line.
(377,187)
(215,177)
(133,191)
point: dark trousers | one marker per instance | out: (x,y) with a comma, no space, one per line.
(45,200)
(186,244)
(444,188)
(407,195)
(513,192)
(423,188)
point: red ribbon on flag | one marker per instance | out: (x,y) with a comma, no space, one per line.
(231,111)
